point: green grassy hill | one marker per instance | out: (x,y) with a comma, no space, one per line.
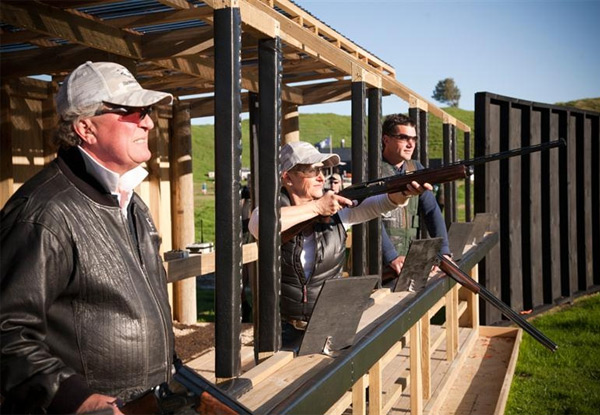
(591,104)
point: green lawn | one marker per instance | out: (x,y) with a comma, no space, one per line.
(567,381)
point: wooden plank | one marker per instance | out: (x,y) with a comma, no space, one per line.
(359,398)
(426,355)
(446,373)
(267,368)
(341,405)
(587,220)
(6,151)
(558,242)
(535,220)
(416,375)
(513,254)
(510,371)
(69,26)
(451,324)
(202,264)
(375,389)
(268,393)
(182,212)
(493,277)
(572,185)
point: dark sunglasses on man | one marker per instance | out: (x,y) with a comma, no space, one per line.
(404,137)
(127,111)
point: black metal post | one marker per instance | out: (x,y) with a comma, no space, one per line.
(424,138)
(453,147)
(414,114)
(446,159)
(359,242)
(228,238)
(269,254)
(374,171)
(467,156)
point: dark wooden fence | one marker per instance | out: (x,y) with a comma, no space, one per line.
(547,204)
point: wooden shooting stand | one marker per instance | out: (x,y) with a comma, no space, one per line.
(400,359)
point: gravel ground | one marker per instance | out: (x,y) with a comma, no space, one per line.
(194,340)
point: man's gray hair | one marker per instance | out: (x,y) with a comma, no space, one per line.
(65,135)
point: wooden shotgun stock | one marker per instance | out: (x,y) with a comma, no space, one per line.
(399,183)
(188,390)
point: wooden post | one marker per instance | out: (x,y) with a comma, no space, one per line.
(426,355)
(6,166)
(290,129)
(359,401)
(182,208)
(375,389)
(452,323)
(416,374)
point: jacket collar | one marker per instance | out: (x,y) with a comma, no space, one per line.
(71,163)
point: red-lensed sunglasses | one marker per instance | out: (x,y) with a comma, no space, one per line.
(127,111)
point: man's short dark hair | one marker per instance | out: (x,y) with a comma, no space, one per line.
(392,120)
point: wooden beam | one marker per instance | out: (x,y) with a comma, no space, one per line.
(59,60)
(320,28)
(203,68)
(177,4)
(327,92)
(55,22)
(199,13)
(177,43)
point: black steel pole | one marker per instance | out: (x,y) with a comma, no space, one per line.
(359,233)
(269,254)
(467,155)
(228,236)
(374,172)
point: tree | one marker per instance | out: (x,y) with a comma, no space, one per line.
(447,92)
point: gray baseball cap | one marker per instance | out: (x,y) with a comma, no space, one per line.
(301,152)
(92,84)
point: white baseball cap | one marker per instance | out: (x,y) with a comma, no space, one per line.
(93,84)
(301,152)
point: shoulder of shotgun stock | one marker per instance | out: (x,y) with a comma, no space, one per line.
(200,395)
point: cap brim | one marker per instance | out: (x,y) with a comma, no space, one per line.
(323,160)
(142,98)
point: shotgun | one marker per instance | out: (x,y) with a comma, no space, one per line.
(187,391)
(399,183)
(458,275)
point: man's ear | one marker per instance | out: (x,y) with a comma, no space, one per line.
(85,130)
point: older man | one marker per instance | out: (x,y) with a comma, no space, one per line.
(85,317)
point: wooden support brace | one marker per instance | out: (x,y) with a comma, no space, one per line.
(416,379)
(359,400)
(375,389)
(451,323)
(426,355)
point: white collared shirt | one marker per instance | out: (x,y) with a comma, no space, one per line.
(120,186)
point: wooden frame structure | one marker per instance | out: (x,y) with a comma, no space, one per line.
(226,50)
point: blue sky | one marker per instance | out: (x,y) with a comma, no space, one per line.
(545,51)
(538,50)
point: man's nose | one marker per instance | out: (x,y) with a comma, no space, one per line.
(147,123)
